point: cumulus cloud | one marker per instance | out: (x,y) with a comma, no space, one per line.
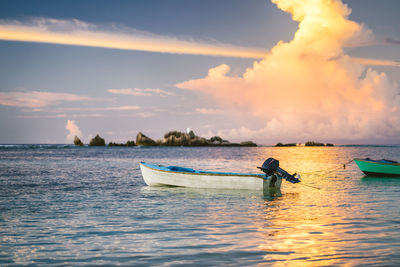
(141,92)
(36,99)
(73,130)
(76,32)
(309,87)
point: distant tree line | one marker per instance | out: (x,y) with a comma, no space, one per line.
(308,143)
(176,138)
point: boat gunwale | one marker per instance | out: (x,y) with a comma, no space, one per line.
(376,162)
(205,173)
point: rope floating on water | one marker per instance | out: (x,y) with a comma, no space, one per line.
(301,183)
(330,170)
(325,173)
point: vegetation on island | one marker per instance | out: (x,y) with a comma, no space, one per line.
(97,141)
(312,143)
(309,143)
(176,138)
(289,144)
(247,143)
(129,143)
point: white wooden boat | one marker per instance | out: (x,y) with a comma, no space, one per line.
(159,175)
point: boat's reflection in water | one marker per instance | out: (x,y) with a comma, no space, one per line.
(173,191)
(380,181)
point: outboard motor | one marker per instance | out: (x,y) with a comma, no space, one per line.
(271,166)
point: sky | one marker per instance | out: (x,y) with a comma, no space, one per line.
(261,70)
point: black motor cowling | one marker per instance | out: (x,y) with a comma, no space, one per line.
(271,166)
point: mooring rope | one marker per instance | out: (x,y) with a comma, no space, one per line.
(330,170)
(325,173)
(303,184)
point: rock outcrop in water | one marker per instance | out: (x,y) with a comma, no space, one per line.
(77,141)
(97,141)
(143,140)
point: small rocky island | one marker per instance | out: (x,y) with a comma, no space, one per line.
(172,138)
(97,141)
(308,143)
(288,144)
(312,143)
(176,138)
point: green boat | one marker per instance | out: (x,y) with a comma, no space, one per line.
(383,167)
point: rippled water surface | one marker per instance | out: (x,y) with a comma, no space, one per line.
(89,206)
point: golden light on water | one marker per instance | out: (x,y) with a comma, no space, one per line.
(350,221)
(302,226)
(305,226)
(300,235)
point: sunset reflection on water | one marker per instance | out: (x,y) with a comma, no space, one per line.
(98,204)
(311,227)
(341,223)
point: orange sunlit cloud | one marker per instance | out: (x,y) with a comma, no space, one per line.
(309,87)
(75,32)
(376,62)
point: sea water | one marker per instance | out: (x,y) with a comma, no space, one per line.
(65,205)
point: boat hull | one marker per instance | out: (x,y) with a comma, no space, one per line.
(156,177)
(379,169)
